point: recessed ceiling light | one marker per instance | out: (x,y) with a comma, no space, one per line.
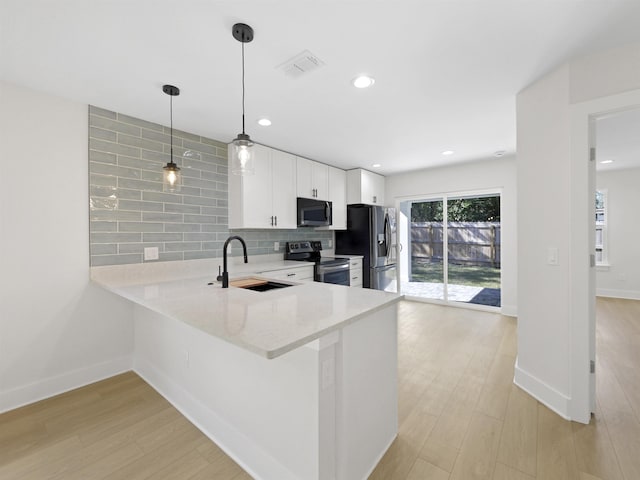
(499,153)
(376,165)
(363,81)
(265,122)
(606,161)
(448,152)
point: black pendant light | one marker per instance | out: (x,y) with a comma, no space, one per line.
(171,178)
(241,148)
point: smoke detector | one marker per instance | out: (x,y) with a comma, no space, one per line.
(301,64)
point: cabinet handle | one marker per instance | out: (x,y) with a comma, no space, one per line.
(291,274)
(375,199)
(276,217)
(272,220)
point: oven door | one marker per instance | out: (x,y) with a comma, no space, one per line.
(338,274)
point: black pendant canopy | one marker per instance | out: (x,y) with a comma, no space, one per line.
(242,32)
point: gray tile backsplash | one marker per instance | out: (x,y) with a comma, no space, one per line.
(129,211)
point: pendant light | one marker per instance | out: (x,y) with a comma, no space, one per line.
(242,151)
(171,177)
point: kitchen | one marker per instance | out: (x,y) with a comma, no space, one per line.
(91,327)
(271,324)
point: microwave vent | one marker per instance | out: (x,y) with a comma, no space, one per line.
(301,64)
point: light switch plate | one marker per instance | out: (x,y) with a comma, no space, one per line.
(552,256)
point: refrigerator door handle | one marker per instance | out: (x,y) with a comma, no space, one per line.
(387,235)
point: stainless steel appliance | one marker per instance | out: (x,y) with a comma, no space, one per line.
(327,269)
(371,232)
(313,213)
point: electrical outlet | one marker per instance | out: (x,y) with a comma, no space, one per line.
(330,243)
(151,253)
(276,246)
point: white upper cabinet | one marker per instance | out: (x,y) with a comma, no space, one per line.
(283,170)
(312,179)
(364,186)
(338,199)
(268,198)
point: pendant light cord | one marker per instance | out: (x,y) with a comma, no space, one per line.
(242,87)
(171,124)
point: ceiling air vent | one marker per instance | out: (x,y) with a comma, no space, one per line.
(301,64)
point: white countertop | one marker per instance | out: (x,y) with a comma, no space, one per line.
(268,323)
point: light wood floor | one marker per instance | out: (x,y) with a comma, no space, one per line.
(460,415)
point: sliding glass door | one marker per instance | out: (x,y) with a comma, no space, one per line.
(426,272)
(453,248)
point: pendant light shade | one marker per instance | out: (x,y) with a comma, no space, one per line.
(171,176)
(242,152)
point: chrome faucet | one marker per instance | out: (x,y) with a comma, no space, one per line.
(224,277)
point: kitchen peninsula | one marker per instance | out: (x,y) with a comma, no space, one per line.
(293,383)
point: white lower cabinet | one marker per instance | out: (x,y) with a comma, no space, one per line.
(355,272)
(303,273)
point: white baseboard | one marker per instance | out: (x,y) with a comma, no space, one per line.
(49,387)
(614,293)
(556,401)
(509,310)
(229,439)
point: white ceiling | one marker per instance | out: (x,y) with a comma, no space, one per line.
(447,72)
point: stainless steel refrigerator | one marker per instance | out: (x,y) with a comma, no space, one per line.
(371,232)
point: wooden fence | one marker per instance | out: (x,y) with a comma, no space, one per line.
(469,243)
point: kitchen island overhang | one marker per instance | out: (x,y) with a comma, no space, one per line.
(295,383)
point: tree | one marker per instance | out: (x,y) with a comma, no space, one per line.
(482,209)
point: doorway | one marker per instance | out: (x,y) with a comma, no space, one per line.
(582,334)
(453,248)
(616,196)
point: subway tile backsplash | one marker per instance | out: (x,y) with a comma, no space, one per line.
(129,211)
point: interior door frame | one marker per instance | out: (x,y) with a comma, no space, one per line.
(445,196)
(582,289)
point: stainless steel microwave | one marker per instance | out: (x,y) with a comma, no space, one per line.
(313,213)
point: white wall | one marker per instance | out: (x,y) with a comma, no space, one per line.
(544,178)
(622,278)
(57,330)
(484,175)
(554,196)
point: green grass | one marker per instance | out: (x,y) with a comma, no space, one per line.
(470,275)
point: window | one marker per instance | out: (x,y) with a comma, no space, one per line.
(601,228)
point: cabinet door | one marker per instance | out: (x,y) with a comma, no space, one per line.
(338,198)
(247,205)
(304,187)
(312,179)
(257,191)
(364,187)
(283,170)
(320,180)
(378,189)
